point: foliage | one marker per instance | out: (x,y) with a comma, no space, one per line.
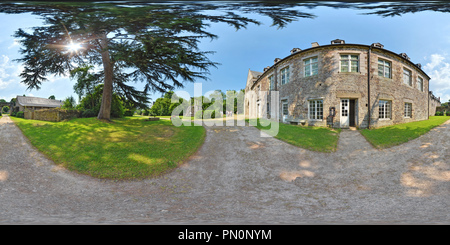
(69,103)
(126,148)
(397,134)
(439,113)
(151,43)
(209,114)
(19,114)
(91,103)
(447,113)
(5,109)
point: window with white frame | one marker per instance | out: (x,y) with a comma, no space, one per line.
(349,63)
(407,79)
(284,108)
(408,110)
(384,68)
(316,109)
(285,75)
(311,66)
(384,109)
(420,84)
(271,87)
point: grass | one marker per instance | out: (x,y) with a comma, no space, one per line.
(319,139)
(389,136)
(128,148)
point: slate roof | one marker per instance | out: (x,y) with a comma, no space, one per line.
(35,101)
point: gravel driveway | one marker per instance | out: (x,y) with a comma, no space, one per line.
(238,177)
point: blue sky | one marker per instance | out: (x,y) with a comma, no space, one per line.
(424,36)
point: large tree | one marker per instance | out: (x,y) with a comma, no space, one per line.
(152,43)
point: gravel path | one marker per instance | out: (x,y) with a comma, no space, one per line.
(238,177)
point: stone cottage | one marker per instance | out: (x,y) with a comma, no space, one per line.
(34,103)
(342,85)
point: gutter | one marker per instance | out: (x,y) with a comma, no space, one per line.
(368,87)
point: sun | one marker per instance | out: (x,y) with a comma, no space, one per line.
(74,47)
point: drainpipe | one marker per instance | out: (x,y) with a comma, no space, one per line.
(368,86)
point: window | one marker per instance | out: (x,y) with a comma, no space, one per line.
(408,110)
(384,109)
(420,84)
(407,77)
(384,68)
(271,87)
(316,109)
(284,108)
(311,66)
(285,75)
(349,63)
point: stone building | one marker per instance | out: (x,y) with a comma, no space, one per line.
(34,103)
(364,84)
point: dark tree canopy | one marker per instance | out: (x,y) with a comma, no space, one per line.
(151,43)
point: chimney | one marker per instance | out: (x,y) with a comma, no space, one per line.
(337,41)
(314,44)
(276,60)
(377,45)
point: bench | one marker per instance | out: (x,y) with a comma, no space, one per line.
(297,121)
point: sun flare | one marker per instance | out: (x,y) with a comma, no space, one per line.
(74,47)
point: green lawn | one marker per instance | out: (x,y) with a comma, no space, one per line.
(128,148)
(397,134)
(319,139)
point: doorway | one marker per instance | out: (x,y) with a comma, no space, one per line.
(348,117)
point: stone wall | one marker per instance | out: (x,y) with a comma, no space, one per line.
(52,115)
(435,105)
(331,85)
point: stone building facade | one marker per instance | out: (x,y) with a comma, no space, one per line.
(363,84)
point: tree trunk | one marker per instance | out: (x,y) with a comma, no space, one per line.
(105,108)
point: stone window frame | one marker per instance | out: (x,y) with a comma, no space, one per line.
(407,72)
(309,58)
(349,59)
(271,82)
(284,102)
(284,76)
(384,67)
(316,111)
(407,112)
(387,111)
(419,81)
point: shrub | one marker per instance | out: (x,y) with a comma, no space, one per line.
(129,113)
(447,113)
(209,114)
(198,115)
(13,114)
(89,113)
(19,114)
(439,113)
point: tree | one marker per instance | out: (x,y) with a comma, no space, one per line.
(69,103)
(151,43)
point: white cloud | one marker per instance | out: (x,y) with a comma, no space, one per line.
(14,44)
(439,71)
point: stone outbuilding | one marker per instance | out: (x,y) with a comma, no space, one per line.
(341,85)
(34,103)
